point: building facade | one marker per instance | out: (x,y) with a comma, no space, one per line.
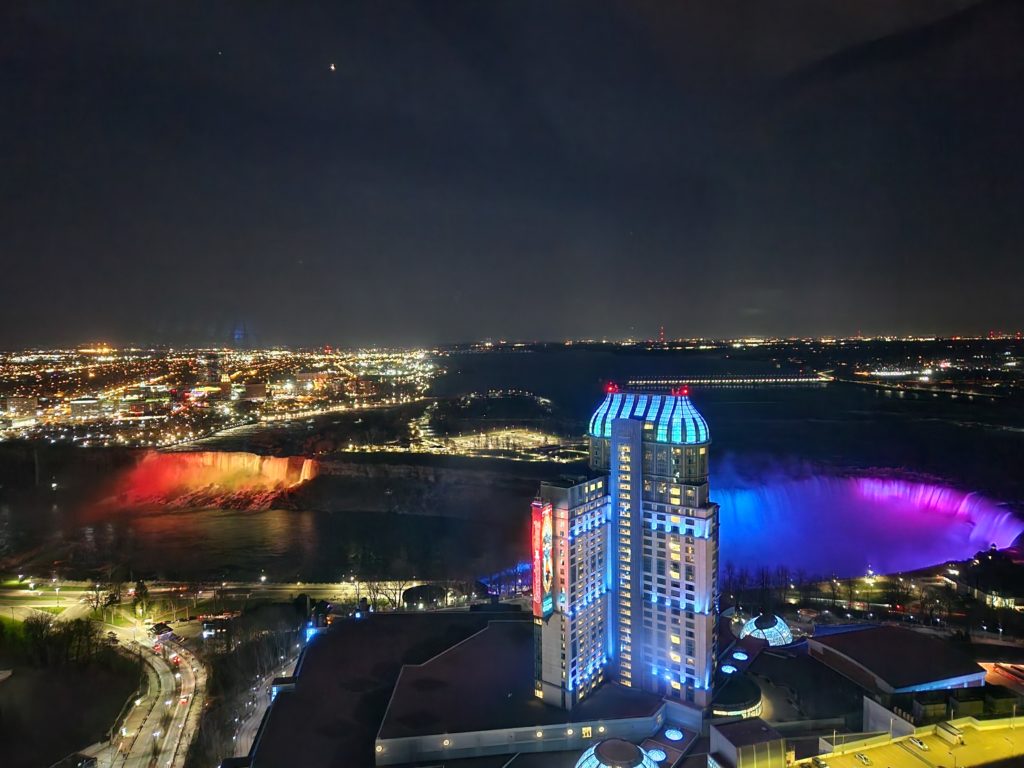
(572,582)
(626,562)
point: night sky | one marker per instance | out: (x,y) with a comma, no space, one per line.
(524,170)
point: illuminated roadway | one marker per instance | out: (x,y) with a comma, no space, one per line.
(159,727)
(258,704)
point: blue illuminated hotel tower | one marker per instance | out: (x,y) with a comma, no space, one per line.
(626,561)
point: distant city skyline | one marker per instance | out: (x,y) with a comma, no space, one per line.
(100,344)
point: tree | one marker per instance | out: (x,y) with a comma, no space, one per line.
(950,600)
(782,582)
(729,572)
(833,587)
(374,592)
(141,596)
(897,591)
(801,580)
(36,629)
(764,586)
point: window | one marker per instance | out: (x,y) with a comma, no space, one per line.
(586,732)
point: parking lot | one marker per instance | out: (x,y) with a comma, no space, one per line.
(979,748)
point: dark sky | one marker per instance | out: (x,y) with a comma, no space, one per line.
(530,170)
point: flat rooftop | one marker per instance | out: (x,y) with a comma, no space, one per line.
(344,683)
(753,730)
(902,657)
(486,683)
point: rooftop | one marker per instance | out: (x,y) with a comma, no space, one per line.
(901,657)
(672,418)
(345,679)
(486,683)
(753,730)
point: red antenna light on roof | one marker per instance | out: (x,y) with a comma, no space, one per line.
(683,391)
(611,388)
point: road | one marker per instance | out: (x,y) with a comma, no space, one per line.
(256,706)
(74,598)
(160,725)
(157,728)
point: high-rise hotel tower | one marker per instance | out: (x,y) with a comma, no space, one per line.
(625,562)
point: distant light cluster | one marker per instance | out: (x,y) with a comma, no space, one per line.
(102,396)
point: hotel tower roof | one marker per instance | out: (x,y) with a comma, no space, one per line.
(672,417)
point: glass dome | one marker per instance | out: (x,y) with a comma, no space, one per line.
(616,753)
(670,418)
(768,627)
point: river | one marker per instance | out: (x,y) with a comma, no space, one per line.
(834,478)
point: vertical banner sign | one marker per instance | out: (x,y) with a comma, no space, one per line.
(537,547)
(543,559)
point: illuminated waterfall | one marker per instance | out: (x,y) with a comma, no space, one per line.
(844,524)
(212,478)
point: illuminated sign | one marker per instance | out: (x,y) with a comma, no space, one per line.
(543,559)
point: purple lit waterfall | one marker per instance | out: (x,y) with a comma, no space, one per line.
(844,524)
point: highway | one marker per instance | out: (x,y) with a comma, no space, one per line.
(161,724)
(158,727)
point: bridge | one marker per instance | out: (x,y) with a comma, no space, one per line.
(654,385)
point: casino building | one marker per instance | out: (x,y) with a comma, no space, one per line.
(617,661)
(625,561)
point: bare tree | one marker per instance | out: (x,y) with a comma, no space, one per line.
(764,588)
(729,572)
(782,582)
(833,586)
(374,592)
(801,580)
(393,589)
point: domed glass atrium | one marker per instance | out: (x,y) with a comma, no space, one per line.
(615,753)
(768,627)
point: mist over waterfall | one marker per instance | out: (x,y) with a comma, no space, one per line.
(211,478)
(824,521)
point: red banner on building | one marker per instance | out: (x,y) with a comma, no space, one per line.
(542,558)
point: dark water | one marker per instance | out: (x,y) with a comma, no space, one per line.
(822,479)
(977,445)
(287,545)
